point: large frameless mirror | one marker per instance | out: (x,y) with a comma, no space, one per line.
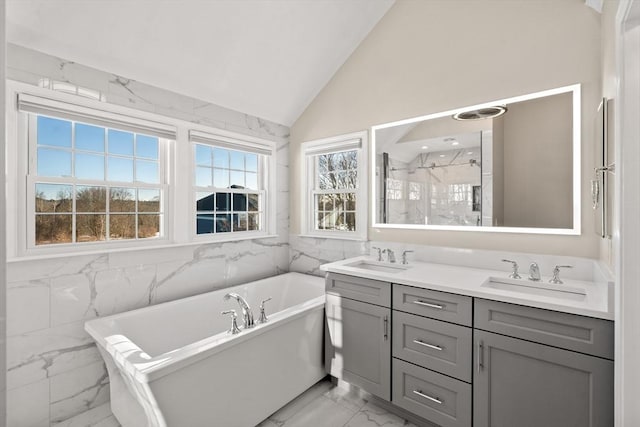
(509,165)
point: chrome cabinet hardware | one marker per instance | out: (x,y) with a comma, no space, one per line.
(514,265)
(404,256)
(234,323)
(386,328)
(480,356)
(433,399)
(262,318)
(425,344)
(428,304)
(556,274)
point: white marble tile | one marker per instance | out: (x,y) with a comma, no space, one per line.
(77,391)
(320,412)
(352,398)
(27,306)
(299,403)
(28,406)
(123,289)
(182,279)
(72,298)
(37,355)
(372,415)
(99,416)
(45,268)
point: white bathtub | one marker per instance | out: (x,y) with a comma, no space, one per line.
(175,365)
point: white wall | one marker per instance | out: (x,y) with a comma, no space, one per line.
(3,278)
(55,374)
(429,56)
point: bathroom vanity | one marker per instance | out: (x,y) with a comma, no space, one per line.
(459,346)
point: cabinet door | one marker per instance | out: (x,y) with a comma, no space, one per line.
(524,384)
(357,344)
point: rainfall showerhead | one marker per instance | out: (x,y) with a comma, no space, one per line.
(481,113)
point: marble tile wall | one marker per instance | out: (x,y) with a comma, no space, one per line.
(55,375)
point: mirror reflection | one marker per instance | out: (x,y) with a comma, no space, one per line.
(509,164)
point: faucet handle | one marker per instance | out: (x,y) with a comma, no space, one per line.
(234,323)
(404,256)
(514,274)
(379,252)
(263,315)
(556,274)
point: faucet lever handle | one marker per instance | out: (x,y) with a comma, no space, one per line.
(234,323)
(263,315)
(404,256)
(379,252)
(514,274)
(556,274)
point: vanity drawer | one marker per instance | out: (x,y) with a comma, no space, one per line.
(437,305)
(569,331)
(434,397)
(439,346)
(360,289)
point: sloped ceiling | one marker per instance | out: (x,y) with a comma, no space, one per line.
(268,58)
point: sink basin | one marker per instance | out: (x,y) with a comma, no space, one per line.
(530,287)
(378,266)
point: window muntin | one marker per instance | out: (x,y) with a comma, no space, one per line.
(229,193)
(334,191)
(93,183)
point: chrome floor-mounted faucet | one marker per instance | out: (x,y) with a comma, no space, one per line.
(247,314)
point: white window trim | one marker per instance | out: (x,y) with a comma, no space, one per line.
(179,204)
(352,141)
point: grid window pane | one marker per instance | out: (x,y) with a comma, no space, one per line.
(239,202)
(53,229)
(148,200)
(120,142)
(240,222)
(90,138)
(223,223)
(54,198)
(205,223)
(251,162)
(53,162)
(223,201)
(236,179)
(251,180)
(203,177)
(89,166)
(221,178)
(221,158)
(54,132)
(122,226)
(91,227)
(148,172)
(147,147)
(237,160)
(253,202)
(91,199)
(205,201)
(122,199)
(120,169)
(148,226)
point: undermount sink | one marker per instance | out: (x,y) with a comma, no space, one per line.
(378,266)
(536,288)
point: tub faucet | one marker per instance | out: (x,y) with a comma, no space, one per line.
(534,272)
(247,314)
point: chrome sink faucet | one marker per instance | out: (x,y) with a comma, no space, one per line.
(514,272)
(391,257)
(534,272)
(556,274)
(247,314)
(379,252)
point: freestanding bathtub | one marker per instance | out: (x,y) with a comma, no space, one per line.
(175,364)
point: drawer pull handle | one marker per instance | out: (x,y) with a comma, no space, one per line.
(480,356)
(433,346)
(386,328)
(433,399)
(428,304)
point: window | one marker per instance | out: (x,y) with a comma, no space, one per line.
(335,188)
(91,179)
(394,189)
(230,185)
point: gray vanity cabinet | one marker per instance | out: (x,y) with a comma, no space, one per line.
(564,379)
(357,338)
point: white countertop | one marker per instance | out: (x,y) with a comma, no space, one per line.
(597,301)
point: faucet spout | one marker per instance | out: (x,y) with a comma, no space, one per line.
(534,272)
(247,314)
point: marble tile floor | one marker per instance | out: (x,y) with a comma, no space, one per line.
(327,405)
(323,405)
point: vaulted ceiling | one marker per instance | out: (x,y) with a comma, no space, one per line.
(268,58)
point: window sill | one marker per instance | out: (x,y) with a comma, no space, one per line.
(333,237)
(31,256)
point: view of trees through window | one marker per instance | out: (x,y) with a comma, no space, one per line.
(106,183)
(335,191)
